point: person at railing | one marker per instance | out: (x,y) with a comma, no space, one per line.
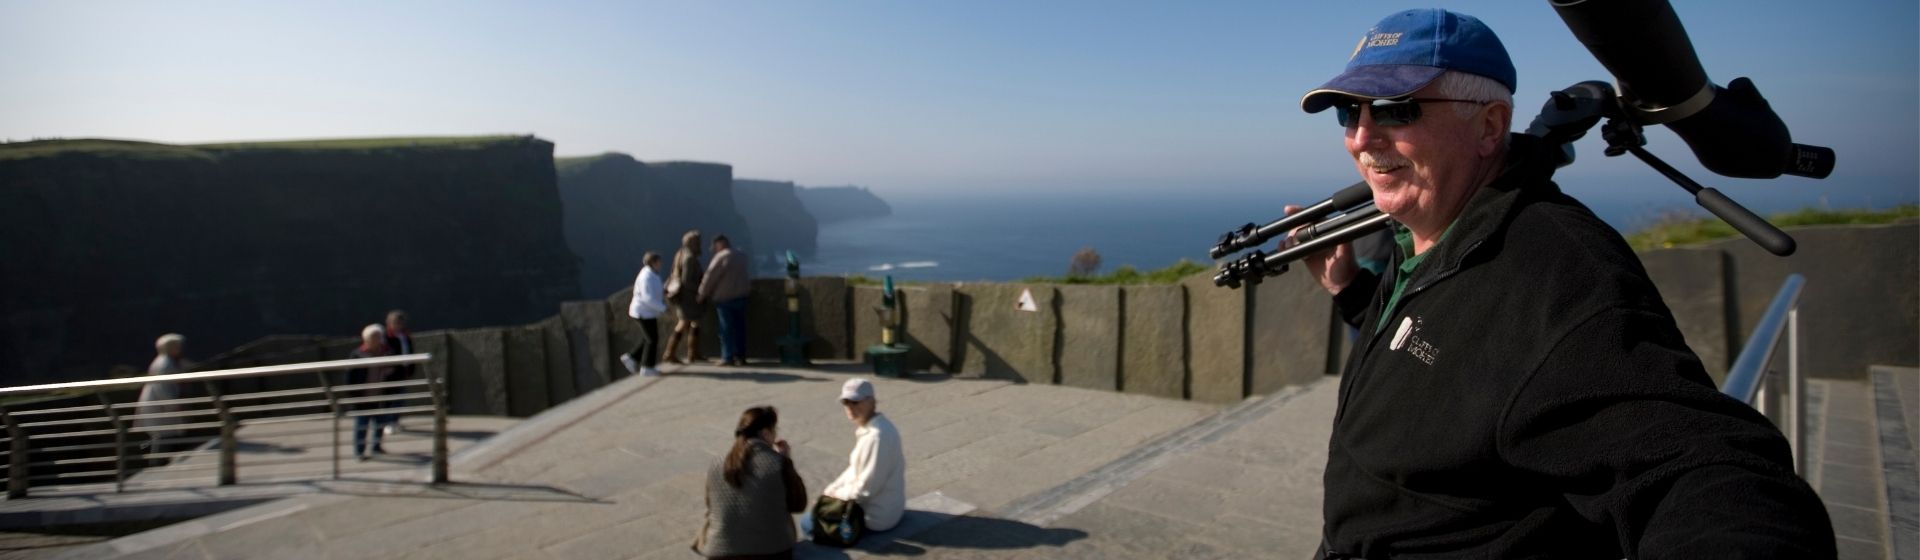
(399,341)
(366,429)
(1520,388)
(648,302)
(752,494)
(726,286)
(170,359)
(683,290)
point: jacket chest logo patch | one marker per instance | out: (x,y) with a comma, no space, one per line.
(1407,337)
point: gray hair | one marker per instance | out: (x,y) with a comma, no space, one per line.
(373,331)
(1472,87)
(169,339)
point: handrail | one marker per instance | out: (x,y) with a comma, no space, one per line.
(1748,379)
(215,375)
(166,425)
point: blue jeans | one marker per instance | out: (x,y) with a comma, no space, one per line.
(363,428)
(733,328)
(806,526)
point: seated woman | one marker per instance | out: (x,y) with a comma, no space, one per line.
(752,494)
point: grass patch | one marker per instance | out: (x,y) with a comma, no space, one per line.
(154,150)
(1686,228)
(101,146)
(369,143)
(1127,274)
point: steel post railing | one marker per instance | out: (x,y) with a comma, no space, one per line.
(1749,380)
(50,440)
(119,443)
(16,456)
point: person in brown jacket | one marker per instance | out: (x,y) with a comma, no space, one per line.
(752,494)
(683,287)
(726,286)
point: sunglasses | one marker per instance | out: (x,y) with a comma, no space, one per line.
(1386,112)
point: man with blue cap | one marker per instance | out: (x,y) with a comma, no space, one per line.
(1520,390)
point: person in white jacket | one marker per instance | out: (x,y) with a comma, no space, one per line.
(649,301)
(876,475)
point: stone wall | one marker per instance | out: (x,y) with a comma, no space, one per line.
(1185,341)
(1861,303)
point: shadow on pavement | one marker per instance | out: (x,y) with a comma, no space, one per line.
(971,532)
(458,491)
(949,533)
(754,376)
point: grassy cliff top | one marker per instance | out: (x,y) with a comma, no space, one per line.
(155,150)
(125,148)
(372,143)
(577,161)
(1689,229)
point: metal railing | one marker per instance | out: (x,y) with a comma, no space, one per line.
(1750,381)
(52,440)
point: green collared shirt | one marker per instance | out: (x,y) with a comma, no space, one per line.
(1408,262)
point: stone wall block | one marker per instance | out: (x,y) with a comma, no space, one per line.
(588,342)
(1153,357)
(1294,336)
(1216,340)
(1089,336)
(478,366)
(1002,341)
(559,357)
(526,371)
(929,322)
(766,318)
(826,305)
(1693,281)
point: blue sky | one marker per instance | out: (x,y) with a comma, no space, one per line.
(906,97)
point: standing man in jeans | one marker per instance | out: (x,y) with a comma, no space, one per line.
(399,341)
(726,286)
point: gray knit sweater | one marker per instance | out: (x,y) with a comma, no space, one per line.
(755,519)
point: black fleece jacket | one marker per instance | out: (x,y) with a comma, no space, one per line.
(1533,398)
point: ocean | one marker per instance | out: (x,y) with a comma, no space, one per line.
(1010,236)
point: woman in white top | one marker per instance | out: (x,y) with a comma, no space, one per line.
(649,301)
(170,349)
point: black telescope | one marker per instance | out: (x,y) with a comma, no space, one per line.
(1732,130)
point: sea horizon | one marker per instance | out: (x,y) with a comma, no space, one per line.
(1001,236)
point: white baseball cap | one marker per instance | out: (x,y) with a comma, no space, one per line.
(856,390)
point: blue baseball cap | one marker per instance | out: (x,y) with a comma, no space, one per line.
(1408,50)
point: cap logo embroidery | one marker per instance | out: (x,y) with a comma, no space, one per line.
(1383,40)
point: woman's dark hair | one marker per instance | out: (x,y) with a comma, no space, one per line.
(752,422)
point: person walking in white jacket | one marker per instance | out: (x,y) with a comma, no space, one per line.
(876,475)
(649,301)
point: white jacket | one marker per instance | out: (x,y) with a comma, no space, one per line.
(649,297)
(876,474)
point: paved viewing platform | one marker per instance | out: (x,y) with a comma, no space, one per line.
(1028,470)
(996,470)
